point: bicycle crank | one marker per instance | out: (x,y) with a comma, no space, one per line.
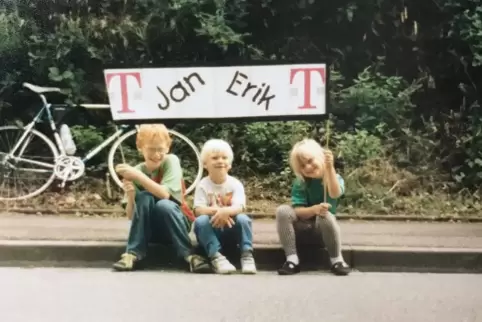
(68,168)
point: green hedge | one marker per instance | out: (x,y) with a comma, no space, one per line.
(406,78)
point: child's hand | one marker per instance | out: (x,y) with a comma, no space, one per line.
(222,219)
(127,172)
(329,159)
(129,189)
(321,209)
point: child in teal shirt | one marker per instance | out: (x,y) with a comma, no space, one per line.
(314,170)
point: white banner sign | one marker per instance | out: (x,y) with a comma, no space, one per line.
(217,92)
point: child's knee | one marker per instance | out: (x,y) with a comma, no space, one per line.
(329,220)
(165,206)
(243,220)
(285,213)
(144,197)
(202,222)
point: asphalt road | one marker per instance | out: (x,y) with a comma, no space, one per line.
(91,295)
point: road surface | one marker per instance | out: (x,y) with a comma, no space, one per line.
(91,295)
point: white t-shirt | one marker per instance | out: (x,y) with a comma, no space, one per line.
(229,193)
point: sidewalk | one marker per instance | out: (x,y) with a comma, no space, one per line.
(367,245)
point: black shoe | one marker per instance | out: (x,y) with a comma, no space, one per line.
(289,268)
(340,269)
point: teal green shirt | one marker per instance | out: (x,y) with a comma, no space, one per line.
(311,192)
(171,172)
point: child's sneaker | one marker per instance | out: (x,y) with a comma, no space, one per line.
(221,265)
(128,262)
(198,264)
(248,265)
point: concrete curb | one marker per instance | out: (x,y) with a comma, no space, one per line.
(258,215)
(41,253)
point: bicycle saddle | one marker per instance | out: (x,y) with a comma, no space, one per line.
(40,89)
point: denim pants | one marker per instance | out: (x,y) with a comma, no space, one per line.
(209,238)
(158,221)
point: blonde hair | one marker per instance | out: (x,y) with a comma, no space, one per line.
(305,147)
(150,132)
(216,145)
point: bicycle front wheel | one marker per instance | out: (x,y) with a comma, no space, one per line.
(29,171)
(124,150)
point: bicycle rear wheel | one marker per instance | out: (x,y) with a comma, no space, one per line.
(125,150)
(33,160)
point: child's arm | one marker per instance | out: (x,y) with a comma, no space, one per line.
(333,184)
(128,202)
(171,184)
(135,174)
(205,210)
(233,210)
(130,207)
(306,212)
(223,216)
(159,191)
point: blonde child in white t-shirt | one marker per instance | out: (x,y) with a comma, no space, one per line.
(219,204)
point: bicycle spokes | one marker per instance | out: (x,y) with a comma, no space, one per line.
(27,170)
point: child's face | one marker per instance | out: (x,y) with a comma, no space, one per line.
(311,166)
(154,152)
(217,163)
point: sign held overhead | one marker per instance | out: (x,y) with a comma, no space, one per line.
(228,92)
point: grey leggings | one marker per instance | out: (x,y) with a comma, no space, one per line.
(327,227)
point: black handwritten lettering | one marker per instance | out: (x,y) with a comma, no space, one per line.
(265,98)
(179,92)
(255,97)
(178,86)
(166,99)
(248,87)
(188,81)
(252,89)
(235,81)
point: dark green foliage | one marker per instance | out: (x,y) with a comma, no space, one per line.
(406,75)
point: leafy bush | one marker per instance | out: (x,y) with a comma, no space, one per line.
(405,78)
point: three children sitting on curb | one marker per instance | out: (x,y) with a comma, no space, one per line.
(154,201)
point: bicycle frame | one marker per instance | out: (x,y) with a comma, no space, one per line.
(46,111)
(123,129)
(65,167)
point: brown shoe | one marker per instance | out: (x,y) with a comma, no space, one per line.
(199,264)
(126,263)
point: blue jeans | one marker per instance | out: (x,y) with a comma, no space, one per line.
(209,237)
(158,221)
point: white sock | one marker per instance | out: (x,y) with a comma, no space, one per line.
(293,258)
(337,259)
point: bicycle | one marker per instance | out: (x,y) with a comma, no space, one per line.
(66,167)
